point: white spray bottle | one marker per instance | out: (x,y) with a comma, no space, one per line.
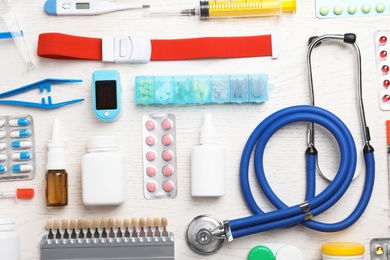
(208,170)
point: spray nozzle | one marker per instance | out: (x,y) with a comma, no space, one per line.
(208,134)
(56,154)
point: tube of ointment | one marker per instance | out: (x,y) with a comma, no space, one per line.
(388,158)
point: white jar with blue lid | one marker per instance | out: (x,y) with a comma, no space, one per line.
(9,240)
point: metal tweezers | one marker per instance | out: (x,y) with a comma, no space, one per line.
(42,85)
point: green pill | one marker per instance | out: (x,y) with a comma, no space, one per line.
(338,10)
(380,8)
(366,8)
(352,9)
(324,10)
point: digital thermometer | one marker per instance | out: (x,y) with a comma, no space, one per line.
(106,95)
(87,7)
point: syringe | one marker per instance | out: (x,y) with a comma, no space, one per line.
(240,8)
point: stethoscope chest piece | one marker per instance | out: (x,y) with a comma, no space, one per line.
(204,234)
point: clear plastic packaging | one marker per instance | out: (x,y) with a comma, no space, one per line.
(17,153)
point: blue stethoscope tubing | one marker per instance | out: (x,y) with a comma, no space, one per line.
(285,215)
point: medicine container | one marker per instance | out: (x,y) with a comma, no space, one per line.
(9,240)
(103,173)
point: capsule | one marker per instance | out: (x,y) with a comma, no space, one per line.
(3,157)
(23,121)
(21,144)
(3,146)
(20,133)
(23,156)
(2,122)
(2,134)
(22,168)
(3,169)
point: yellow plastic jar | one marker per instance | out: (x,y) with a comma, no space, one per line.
(342,251)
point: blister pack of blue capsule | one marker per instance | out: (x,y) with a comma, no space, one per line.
(17,160)
(202,89)
(351,8)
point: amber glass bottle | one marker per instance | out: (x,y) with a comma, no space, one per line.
(56,188)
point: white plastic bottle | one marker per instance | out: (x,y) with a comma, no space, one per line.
(9,240)
(208,170)
(103,173)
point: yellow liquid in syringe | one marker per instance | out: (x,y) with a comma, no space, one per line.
(243,8)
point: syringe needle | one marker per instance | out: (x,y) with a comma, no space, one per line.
(189,12)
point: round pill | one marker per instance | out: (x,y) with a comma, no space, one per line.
(324,10)
(2,134)
(167,140)
(21,144)
(3,169)
(352,9)
(23,121)
(386,83)
(166,124)
(22,168)
(150,140)
(366,8)
(338,9)
(2,146)
(380,8)
(151,171)
(167,186)
(3,157)
(167,155)
(383,55)
(386,98)
(385,69)
(150,156)
(23,156)
(151,186)
(167,170)
(382,40)
(20,133)
(150,125)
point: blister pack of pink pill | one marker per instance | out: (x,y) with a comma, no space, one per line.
(159,156)
(382,48)
(17,160)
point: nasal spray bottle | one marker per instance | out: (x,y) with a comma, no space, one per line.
(208,163)
(56,175)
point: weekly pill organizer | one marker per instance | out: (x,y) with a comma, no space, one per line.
(351,8)
(202,89)
(17,160)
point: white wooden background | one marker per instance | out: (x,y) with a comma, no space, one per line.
(334,79)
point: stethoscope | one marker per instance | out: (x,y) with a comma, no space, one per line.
(205,234)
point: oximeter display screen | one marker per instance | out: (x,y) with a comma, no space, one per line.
(83,6)
(106,95)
